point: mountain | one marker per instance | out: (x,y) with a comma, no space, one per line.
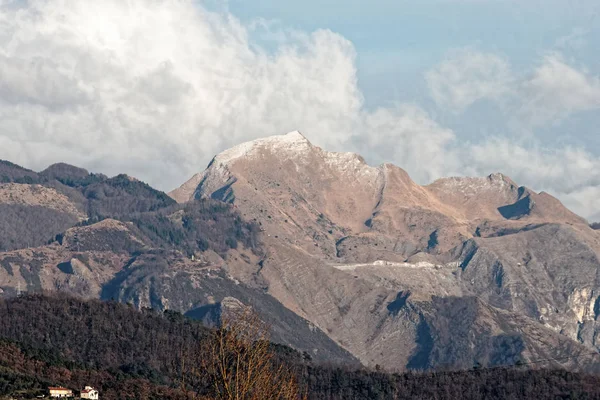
(127,241)
(461,271)
(349,263)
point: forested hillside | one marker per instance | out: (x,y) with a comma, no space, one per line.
(131,354)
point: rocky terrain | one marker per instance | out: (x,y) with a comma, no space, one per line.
(129,242)
(346,261)
(379,262)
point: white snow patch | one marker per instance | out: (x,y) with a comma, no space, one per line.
(293,142)
(350,163)
(382,263)
(295,146)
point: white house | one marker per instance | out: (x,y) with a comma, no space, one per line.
(60,392)
(89,393)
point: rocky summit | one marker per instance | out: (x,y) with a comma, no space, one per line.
(347,262)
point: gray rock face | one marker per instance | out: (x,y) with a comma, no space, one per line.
(549,273)
(163,281)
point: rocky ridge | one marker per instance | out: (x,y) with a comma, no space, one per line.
(345,241)
(346,261)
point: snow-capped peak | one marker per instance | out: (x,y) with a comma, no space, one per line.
(292,142)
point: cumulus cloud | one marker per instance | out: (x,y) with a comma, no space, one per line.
(155,88)
(553,91)
(407,136)
(556,90)
(570,173)
(467,76)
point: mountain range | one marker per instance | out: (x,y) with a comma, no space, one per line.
(350,263)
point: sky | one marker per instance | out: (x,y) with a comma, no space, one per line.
(156,88)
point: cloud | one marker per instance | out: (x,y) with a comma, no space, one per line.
(467,76)
(553,91)
(575,40)
(556,90)
(570,173)
(155,88)
(407,136)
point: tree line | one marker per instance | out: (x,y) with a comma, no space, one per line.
(130,354)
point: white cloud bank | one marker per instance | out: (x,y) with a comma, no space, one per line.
(553,91)
(467,76)
(155,88)
(556,90)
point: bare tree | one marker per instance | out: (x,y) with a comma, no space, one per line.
(240,362)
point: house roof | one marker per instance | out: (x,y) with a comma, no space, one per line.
(58,388)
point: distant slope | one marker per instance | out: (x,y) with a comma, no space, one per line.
(31,215)
(70,175)
(35,207)
(10,172)
(121,196)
